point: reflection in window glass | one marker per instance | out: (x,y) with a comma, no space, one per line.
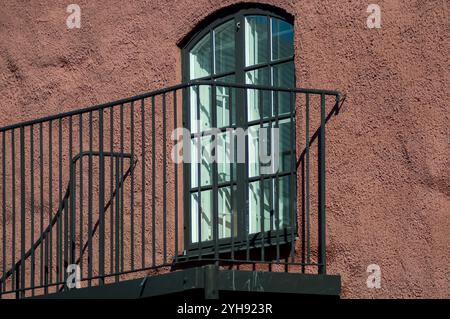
(282,39)
(256,40)
(224,47)
(227,215)
(258,77)
(271,195)
(206,162)
(255,200)
(205,108)
(284,145)
(205,216)
(223,101)
(224,160)
(200,58)
(283,76)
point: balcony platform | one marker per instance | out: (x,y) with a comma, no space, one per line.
(211,282)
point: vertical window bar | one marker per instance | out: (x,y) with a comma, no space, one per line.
(232,173)
(199,193)
(261,177)
(246,210)
(215,211)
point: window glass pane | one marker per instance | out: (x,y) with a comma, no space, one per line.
(227,215)
(284,201)
(223,101)
(255,200)
(200,58)
(254,97)
(256,40)
(272,193)
(205,108)
(257,155)
(224,47)
(206,161)
(285,145)
(205,216)
(253,151)
(224,160)
(282,39)
(283,76)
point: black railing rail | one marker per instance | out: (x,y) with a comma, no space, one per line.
(121,212)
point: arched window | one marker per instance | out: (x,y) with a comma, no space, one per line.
(249,46)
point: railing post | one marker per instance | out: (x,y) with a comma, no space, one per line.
(322,222)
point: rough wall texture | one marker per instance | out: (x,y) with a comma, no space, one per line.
(388,155)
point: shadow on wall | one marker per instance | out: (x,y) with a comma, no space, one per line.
(310,179)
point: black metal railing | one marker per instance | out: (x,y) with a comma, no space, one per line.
(96,187)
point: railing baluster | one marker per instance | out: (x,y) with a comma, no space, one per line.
(80,124)
(175,167)
(4,206)
(90,261)
(232,167)
(117,237)
(164,180)
(111,190)
(307,201)
(60,273)
(50,204)
(321,223)
(72,184)
(292,179)
(13,225)
(143,184)
(132,187)
(41,198)
(22,210)
(121,189)
(153,184)
(101,200)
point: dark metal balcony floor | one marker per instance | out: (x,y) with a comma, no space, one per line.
(212,281)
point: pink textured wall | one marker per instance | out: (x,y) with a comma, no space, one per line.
(388,150)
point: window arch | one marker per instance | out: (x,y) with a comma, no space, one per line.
(247,46)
